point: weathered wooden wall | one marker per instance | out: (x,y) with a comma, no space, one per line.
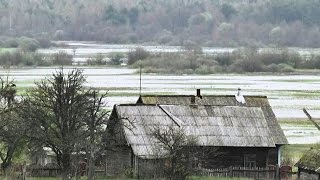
(119,161)
(234,156)
(150,168)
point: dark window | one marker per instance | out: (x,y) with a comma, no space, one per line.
(250,160)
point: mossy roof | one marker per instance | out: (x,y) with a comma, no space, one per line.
(219,126)
(310,160)
(223,100)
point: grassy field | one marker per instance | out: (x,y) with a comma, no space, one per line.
(56,178)
(214,178)
(189,178)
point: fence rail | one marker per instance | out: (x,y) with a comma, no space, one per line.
(255,173)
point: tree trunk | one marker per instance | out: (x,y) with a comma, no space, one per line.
(6,163)
(66,166)
(91,163)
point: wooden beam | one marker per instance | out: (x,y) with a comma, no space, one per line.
(310,118)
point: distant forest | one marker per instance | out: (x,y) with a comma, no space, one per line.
(223,23)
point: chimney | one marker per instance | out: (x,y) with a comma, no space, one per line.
(239,90)
(199,93)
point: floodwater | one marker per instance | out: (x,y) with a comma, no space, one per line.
(287,94)
(83,50)
(301,134)
(86,49)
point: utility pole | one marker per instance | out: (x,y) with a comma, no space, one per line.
(140,79)
(10,21)
(310,118)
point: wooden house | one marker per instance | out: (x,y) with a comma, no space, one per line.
(309,165)
(247,135)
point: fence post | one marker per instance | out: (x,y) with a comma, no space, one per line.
(24,170)
(106,167)
(277,176)
(230,172)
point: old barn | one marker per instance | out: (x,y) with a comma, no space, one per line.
(309,165)
(246,135)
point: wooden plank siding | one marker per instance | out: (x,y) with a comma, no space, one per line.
(119,161)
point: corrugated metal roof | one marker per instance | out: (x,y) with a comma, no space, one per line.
(233,126)
(310,160)
(223,100)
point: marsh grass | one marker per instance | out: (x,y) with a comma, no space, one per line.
(295,122)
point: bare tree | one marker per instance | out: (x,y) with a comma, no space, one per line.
(95,124)
(56,111)
(182,153)
(178,150)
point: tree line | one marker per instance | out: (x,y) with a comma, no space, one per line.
(191,60)
(206,22)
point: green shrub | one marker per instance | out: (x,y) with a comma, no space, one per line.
(272,68)
(312,63)
(204,70)
(225,59)
(188,71)
(34,59)
(10,43)
(98,59)
(280,57)
(5,58)
(137,54)
(61,58)
(116,58)
(44,42)
(18,58)
(28,44)
(285,68)
(248,65)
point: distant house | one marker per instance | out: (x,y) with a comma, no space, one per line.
(248,135)
(309,165)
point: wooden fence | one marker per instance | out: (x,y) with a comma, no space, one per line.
(255,173)
(54,170)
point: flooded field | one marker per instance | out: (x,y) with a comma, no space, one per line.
(83,50)
(287,94)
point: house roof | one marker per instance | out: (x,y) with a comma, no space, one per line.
(231,126)
(223,100)
(310,161)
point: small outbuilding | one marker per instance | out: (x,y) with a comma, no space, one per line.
(309,165)
(246,135)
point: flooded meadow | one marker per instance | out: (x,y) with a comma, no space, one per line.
(287,94)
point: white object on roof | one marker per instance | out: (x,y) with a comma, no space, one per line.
(239,97)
